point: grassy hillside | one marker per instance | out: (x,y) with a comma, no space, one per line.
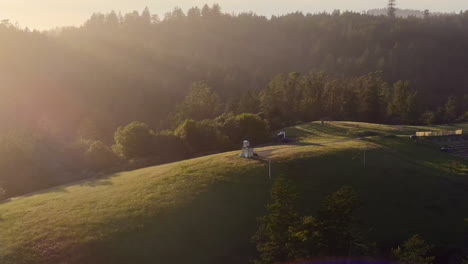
(204,210)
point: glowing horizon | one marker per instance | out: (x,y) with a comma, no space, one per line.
(48,14)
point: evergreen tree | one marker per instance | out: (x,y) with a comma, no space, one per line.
(206,11)
(275,239)
(146,16)
(336,223)
(451,109)
(465,103)
(414,251)
(349,106)
(201,103)
(112,19)
(427,14)
(216,10)
(371,104)
(404,103)
(194,12)
(249,103)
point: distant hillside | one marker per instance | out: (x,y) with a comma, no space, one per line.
(204,210)
(403,12)
(137,67)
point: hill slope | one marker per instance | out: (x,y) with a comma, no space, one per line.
(204,210)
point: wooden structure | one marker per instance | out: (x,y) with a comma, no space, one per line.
(440,133)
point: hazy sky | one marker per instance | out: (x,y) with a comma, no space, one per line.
(44,14)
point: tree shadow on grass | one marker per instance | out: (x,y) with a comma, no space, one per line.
(96,183)
(92,182)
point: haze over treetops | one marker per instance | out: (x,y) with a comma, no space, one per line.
(48,14)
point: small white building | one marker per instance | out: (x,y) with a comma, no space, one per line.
(247,150)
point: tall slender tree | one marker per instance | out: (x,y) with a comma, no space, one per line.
(275,241)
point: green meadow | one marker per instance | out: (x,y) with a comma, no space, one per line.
(204,210)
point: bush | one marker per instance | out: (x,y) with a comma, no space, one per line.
(201,137)
(99,156)
(245,127)
(169,146)
(464,117)
(136,140)
(429,118)
(414,251)
(29,162)
(201,103)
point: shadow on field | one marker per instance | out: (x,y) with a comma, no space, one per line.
(97,183)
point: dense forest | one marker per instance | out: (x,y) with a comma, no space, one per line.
(100,92)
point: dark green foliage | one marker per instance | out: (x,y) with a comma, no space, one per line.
(451,109)
(244,127)
(201,103)
(429,118)
(371,107)
(249,103)
(294,98)
(465,103)
(403,108)
(100,157)
(464,117)
(336,223)
(29,162)
(223,133)
(170,147)
(202,137)
(333,233)
(280,101)
(135,140)
(276,238)
(440,115)
(414,251)
(307,232)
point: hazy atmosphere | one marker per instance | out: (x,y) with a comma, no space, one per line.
(55,13)
(240,132)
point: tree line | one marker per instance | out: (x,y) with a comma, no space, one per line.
(203,124)
(118,68)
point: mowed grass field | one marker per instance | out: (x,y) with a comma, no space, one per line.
(204,210)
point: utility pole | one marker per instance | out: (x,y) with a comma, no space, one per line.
(269,168)
(391,9)
(365,150)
